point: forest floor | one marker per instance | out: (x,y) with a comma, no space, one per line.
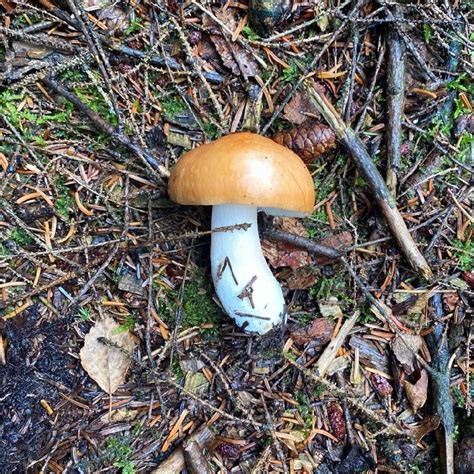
(98,100)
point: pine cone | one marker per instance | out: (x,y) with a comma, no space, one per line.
(337,422)
(308,142)
(382,385)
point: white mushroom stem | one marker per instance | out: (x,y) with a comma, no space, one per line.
(245,285)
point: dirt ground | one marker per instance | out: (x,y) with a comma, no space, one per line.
(114,348)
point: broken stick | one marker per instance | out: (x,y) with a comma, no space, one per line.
(395,99)
(176,462)
(373,177)
(196,462)
(329,354)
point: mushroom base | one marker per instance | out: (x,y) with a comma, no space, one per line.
(245,285)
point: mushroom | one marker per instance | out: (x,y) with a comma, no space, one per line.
(238,175)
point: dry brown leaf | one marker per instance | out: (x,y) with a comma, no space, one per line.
(106,354)
(417,393)
(297,110)
(225,53)
(281,254)
(318,333)
(405,347)
(300,278)
(450,301)
(291,225)
(419,430)
(414,304)
(9,6)
(196,383)
(32,51)
(234,57)
(337,241)
(226,16)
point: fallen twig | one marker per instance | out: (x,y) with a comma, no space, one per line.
(395,98)
(276,442)
(196,462)
(410,45)
(330,352)
(147,56)
(373,177)
(176,462)
(344,395)
(310,67)
(299,241)
(158,170)
(440,381)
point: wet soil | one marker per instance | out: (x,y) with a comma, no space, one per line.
(38,367)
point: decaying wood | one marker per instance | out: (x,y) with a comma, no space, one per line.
(176,461)
(329,354)
(196,462)
(395,99)
(373,177)
(440,383)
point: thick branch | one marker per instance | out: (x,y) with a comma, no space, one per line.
(373,177)
(440,382)
(395,97)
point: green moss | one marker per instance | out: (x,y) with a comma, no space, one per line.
(318,389)
(198,307)
(465,254)
(427,33)
(63,201)
(62,205)
(84,313)
(250,34)
(172,106)
(331,287)
(211,130)
(462,83)
(72,75)
(176,367)
(127,325)
(93,98)
(119,452)
(458,397)
(366,315)
(9,103)
(134,27)
(290,356)
(20,236)
(290,74)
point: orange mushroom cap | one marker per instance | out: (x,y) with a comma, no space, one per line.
(243,168)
